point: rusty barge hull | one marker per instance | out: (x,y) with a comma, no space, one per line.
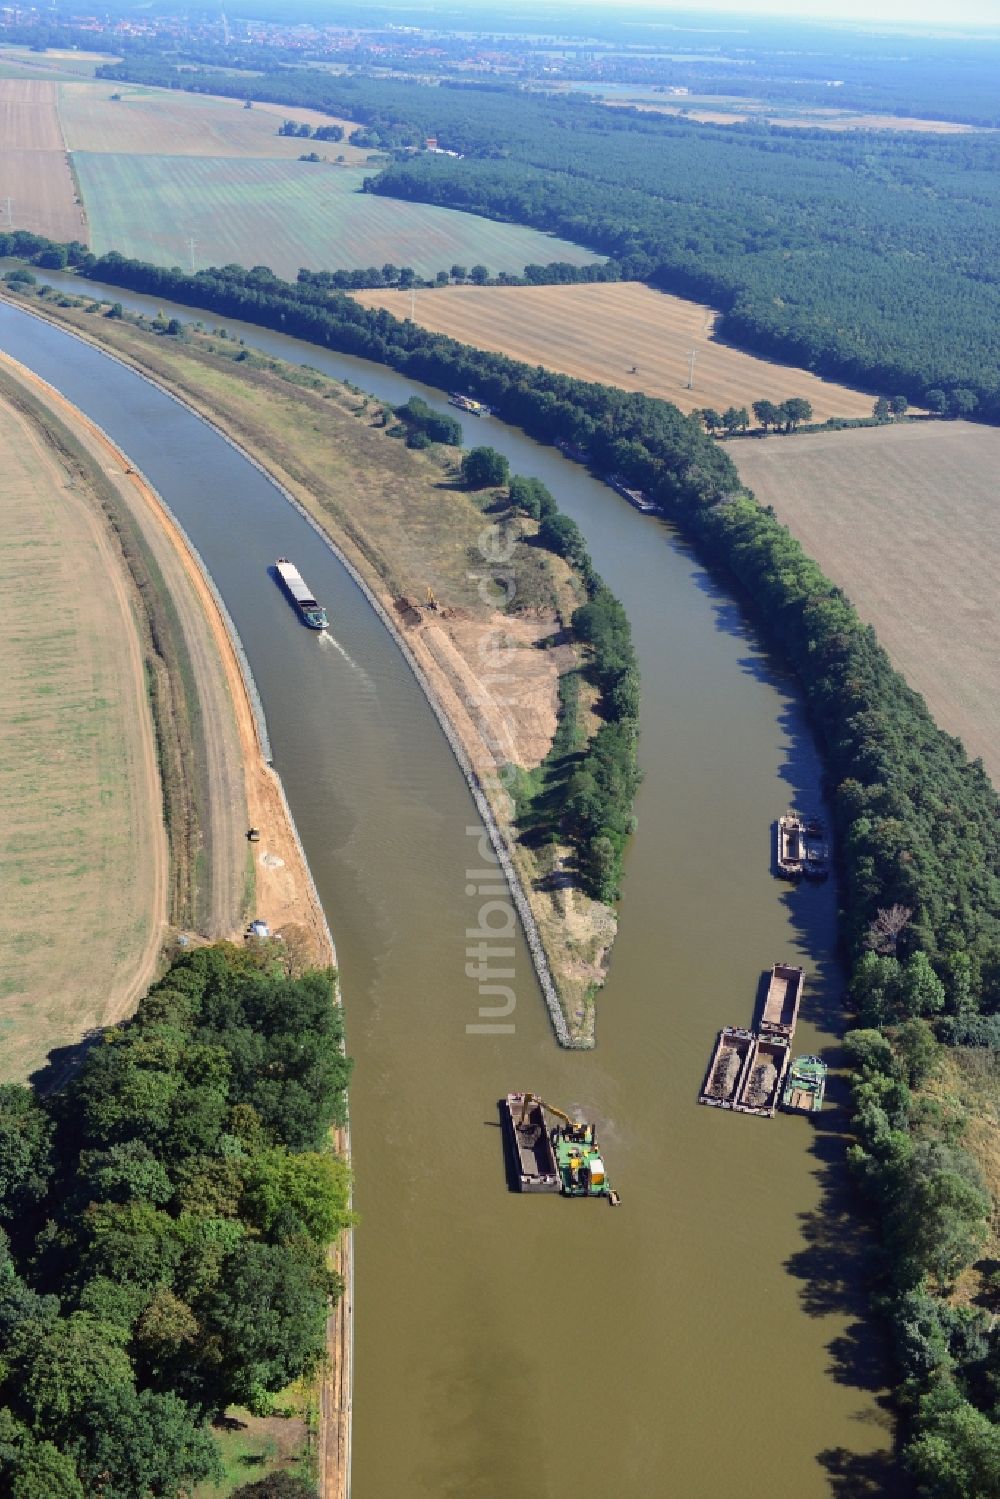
(780,1011)
(727,1068)
(530,1153)
(764,1077)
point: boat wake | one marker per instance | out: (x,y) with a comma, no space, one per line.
(329,641)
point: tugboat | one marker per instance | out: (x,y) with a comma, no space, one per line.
(805,1086)
(312,614)
(565,1160)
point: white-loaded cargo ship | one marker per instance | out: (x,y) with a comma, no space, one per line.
(313,614)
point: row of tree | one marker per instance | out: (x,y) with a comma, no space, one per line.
(164,1220)
(783,416)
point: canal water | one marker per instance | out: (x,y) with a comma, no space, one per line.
(705,1335)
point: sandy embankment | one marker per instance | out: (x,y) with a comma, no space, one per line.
(285,893)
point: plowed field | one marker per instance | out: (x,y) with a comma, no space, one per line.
(623,334)
(34,169)
(905,520)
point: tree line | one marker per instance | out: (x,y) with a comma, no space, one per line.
(164,1219)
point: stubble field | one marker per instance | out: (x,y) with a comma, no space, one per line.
(158,122)
(905,520)
(620,333)
(82,848)
(34,170)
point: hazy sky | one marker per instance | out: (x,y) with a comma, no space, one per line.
(919,12)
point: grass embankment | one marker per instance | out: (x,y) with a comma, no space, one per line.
(82,854)
(403,519)
(170,681)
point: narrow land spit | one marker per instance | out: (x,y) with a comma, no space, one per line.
(904,519)
(619,333)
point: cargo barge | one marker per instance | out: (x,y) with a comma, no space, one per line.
(468,404)
(635,497)
(565,1159)
(805,1086)
(765,1076)
(803,852)
(312,614)
(780,1010)
(728,1067)
(529,1147)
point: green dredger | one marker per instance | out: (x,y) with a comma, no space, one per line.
(564,1159)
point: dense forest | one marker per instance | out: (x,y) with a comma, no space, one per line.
(164,1219)
(871,258)
(917,824)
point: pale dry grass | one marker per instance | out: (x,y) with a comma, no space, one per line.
(82,849)
(166,122)
(34,169)
(905,520)
(619,333)
(792,119)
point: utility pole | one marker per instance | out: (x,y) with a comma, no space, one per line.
(413,304)
(694,355)
(10,212)
(191,243)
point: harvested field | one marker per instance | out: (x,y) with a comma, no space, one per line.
(34,169)
(905,520)
(150,122)
(29,120)
(55,63)
(601,331)
(83,851)
(287,214)
(805,119)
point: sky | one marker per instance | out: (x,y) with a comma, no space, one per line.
(912,12)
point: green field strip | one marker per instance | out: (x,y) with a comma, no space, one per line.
(286,215)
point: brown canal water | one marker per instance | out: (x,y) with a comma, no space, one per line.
(703,1337)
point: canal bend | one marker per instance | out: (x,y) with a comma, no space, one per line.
(704,1334)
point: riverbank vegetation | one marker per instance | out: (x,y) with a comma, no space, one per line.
(165,1222)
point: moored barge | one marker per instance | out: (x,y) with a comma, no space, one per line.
(805,1086)
(727,1069)
(468,404)
(531,1152)
(764,1078)
(803,851)
(780,1011)
(311,613)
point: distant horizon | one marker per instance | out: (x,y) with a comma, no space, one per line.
(951,15)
